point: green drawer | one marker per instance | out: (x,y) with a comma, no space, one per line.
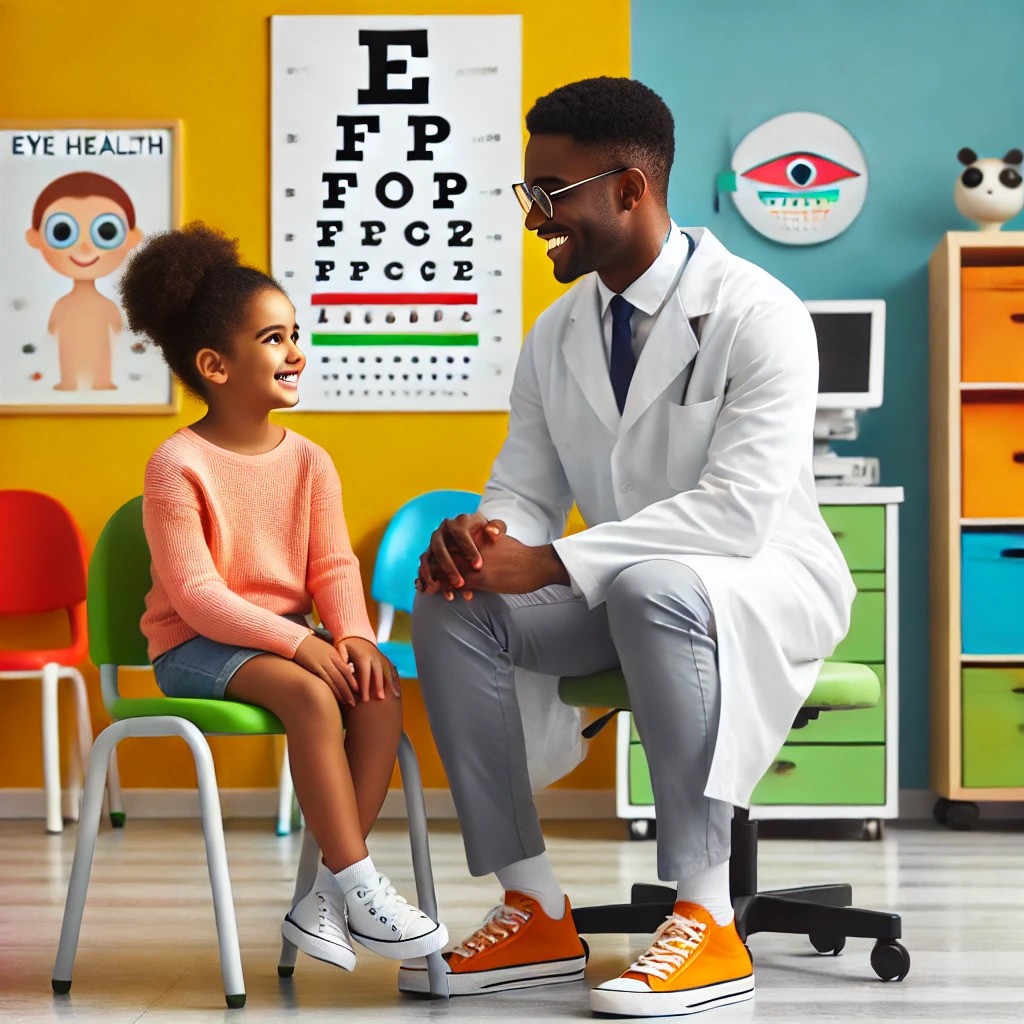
(865,641)
(640,792)
(860,532)
(867,726)
(824,775)
(993,726)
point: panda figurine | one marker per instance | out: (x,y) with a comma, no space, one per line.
(989,191)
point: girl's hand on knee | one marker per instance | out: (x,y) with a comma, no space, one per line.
(373,671)
(322,660)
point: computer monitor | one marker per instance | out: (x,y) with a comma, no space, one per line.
(851,352)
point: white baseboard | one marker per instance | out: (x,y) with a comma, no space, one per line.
(915,804)
(262,803)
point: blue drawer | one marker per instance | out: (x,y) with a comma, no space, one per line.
(992,615)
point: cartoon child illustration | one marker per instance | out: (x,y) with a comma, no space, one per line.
(84,226)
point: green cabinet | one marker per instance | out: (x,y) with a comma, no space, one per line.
(842,764)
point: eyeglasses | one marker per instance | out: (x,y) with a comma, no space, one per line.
(545,200)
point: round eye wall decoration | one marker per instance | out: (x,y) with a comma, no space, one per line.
(798,179)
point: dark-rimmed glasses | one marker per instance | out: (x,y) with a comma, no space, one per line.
(545,200)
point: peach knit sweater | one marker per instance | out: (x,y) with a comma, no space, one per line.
(237,541)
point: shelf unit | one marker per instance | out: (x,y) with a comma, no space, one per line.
(976,329)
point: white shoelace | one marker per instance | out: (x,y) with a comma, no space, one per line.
(387,906)
(673,942)
(499,924)
(331,919)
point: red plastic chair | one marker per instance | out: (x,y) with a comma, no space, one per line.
(42,570)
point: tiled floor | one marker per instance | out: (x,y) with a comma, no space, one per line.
(148,949)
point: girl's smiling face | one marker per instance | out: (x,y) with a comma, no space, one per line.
(264,362)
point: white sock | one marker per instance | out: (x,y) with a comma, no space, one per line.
(361,873)
(709,889)
(535,877)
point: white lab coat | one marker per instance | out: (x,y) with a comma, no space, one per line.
(708,465)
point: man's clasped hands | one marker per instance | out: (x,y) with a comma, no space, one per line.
(471,552)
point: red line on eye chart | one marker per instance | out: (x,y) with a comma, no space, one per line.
(394,299)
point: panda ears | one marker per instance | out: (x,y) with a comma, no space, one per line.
(968,156)
(1015,156)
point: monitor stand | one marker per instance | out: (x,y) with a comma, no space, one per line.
(831,468)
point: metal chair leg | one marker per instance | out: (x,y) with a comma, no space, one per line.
(217,863)
(419,841)
(285,796)
(85,846)
(115,801)
(51,749)
(83,723)
(305,876)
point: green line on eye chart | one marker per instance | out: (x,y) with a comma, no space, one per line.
(348,340)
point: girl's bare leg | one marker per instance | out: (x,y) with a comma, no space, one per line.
(312,720)
(372,732)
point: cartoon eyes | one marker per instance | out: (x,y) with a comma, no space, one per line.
(800,170)
(107,231)
(61,231)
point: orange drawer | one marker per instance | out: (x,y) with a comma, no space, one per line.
(993,457)
(992,325)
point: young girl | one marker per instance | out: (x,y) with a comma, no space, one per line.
(245,526)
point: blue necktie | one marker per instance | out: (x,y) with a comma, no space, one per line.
(622,363)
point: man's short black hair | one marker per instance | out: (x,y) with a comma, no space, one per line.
(620,115)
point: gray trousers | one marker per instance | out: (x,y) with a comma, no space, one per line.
(656,624)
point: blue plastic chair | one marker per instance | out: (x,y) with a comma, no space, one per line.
(398,561)
(394,572)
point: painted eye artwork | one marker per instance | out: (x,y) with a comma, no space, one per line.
(798,179)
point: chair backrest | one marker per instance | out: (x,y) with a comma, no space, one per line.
(42,555)
(407,537)
(119,580)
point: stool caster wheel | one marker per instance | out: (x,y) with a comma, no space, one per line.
(890,961)
(827,943)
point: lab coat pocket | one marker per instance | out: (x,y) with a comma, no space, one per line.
(689,435)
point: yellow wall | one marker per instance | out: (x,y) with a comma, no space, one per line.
(207,65)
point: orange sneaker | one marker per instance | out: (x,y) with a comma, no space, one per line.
(693,964)
(518,946)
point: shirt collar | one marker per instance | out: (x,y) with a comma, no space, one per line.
(649,290)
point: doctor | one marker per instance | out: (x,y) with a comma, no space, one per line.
(671,395)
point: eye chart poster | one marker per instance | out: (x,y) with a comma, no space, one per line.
(394,229)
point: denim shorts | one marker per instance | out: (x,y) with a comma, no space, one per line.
(203,668)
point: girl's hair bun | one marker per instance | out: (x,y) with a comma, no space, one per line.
(164,275)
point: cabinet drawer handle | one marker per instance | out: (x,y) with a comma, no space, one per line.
(1017,318)
(1018,457)
(1019,690)
(839,534)
(784,767)
(1012,553)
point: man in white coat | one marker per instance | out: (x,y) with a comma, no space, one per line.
(671,395)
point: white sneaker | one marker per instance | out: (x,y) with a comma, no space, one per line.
(385,922)
(316,924)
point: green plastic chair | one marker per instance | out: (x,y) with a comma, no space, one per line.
(822,912)
(119,578)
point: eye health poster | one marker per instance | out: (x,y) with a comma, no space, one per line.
(75,201)
(394,229)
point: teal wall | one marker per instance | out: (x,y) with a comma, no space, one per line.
(913,81)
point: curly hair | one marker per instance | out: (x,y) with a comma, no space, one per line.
(186,290)
(620,116)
